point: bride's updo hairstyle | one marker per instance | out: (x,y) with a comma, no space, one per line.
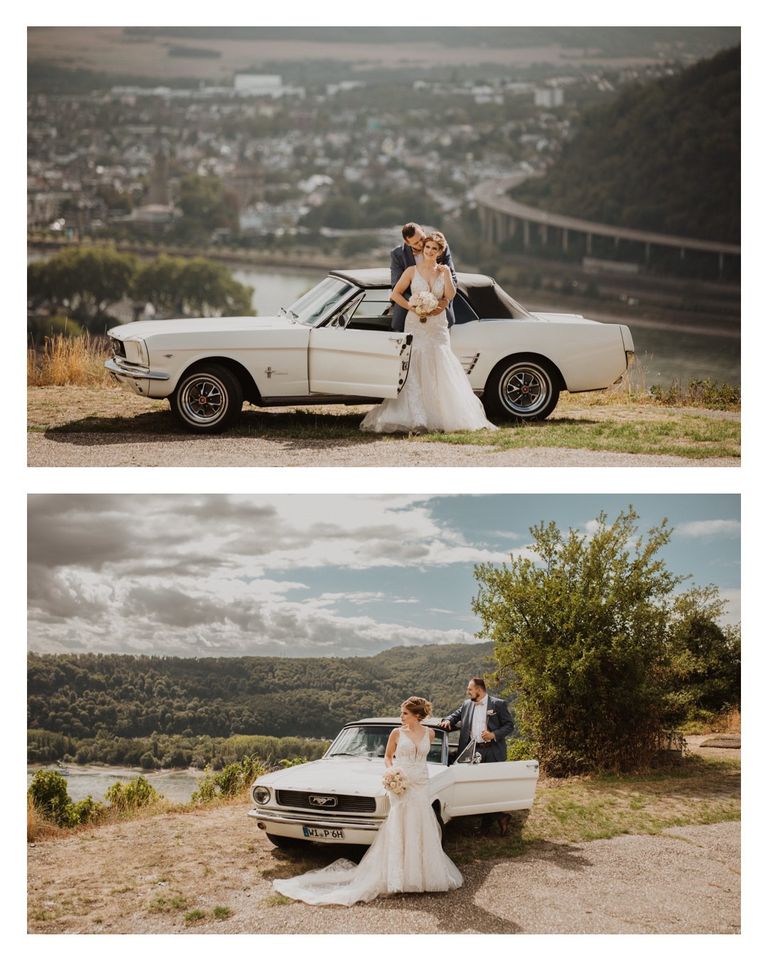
(418,706)
(438,238)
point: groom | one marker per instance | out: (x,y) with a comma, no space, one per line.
(407,255)
(487,721)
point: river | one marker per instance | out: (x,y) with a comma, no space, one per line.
(94,779)
(664,353)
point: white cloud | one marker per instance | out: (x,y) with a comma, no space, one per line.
(709,528)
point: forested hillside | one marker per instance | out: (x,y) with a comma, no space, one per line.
(662,156)
(126,696)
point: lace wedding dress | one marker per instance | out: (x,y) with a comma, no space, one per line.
(437,395)
(405,857)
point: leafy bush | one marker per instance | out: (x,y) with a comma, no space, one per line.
(520,750)
(230,781)
(48,792)
(137,793)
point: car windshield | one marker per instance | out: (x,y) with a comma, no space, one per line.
(320,301)
(370,740)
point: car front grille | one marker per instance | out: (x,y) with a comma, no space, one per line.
(344,803)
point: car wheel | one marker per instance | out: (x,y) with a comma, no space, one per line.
(285,843)
(208,399)
(522,388)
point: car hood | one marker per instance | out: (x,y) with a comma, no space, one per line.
(149,328)
(348,775)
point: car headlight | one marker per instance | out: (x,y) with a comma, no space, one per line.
(136,352)
(261,795)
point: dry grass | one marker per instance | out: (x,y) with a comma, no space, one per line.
(38,828)
(729,722)
(68,361)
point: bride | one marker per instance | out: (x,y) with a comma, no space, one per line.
(407,855)
(437,395)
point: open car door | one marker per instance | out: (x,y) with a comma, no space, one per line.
(491,787)
(358,363)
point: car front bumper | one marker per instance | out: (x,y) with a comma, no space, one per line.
(131,377)
(356,830)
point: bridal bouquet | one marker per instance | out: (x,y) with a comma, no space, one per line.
(395,781)
(423,302)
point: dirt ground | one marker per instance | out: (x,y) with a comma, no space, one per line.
(123,442)
(169,873)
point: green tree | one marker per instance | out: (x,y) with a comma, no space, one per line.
(158,281)
(206,206)
(86,280)
(581,637)
(705,667)
(206,286)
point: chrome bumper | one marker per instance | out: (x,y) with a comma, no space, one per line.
(326,823)
(117,369)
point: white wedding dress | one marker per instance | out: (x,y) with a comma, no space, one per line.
(437,395)
(405,857)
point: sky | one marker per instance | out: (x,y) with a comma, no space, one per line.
(312,575)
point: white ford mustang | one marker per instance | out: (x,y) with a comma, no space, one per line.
(334,345)
(340,798)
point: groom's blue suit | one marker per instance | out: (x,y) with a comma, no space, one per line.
(399,260)
(498,722)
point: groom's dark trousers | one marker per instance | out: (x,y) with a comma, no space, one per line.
(399,260)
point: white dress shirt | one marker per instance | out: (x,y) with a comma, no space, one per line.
(479,717)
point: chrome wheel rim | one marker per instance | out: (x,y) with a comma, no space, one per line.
(525,389)
(203,400)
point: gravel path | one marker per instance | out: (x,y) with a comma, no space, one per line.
(125,444)
(145,876)
(107,450)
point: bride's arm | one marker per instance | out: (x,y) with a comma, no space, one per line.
(449,287)
(389,754)
(401,286)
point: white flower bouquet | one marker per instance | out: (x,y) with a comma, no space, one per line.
(422,303)
(395,781)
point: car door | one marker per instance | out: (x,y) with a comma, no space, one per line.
(492,787)
(358,363)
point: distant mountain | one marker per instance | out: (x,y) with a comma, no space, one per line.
(597,41)
(662,156)
(81,694)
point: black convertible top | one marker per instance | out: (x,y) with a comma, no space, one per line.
(486,297)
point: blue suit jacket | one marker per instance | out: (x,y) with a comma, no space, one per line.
(399,260)
(499,722)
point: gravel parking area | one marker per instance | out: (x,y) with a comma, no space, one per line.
(148,876)
(105,450)
(123,430)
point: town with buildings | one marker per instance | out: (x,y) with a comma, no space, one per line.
(295,160)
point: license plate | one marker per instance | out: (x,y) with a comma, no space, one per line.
(323,833)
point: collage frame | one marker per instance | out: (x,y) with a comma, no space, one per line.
(745,482)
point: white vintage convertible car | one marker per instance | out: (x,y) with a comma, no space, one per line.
(340,798)
(334,345)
